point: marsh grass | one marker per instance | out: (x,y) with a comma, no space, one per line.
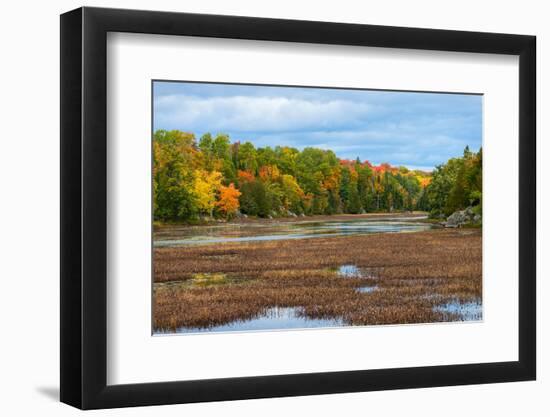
(209,285)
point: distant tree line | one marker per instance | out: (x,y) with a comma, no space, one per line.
(213,177)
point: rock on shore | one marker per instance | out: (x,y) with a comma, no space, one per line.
(462,217)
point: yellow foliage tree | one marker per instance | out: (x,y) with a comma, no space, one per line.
(269,173)
(292,193)
(424,181)
(205,186)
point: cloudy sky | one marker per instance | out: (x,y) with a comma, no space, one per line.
(418,130)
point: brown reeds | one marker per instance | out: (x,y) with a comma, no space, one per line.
(203,286)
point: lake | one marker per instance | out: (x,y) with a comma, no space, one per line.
(169,236)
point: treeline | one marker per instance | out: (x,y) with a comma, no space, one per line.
(216,178)
(455,185)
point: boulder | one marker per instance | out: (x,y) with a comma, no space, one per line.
(462,217)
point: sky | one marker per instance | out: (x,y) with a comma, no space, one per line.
(416,130)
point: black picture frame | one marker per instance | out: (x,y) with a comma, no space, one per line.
(84,207)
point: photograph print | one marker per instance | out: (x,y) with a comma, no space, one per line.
(286,207)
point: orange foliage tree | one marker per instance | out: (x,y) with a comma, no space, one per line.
(245,176)
(228,202)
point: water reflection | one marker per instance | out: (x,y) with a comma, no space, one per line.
(352,271)
(274,318)
(349,271)
(469,311)
(230,233)
(367,289)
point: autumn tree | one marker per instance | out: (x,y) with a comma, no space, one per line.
(228,202)
(293,194)
(206,184)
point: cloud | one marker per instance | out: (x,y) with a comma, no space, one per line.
(245,114)
(411,129)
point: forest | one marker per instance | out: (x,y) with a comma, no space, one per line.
(213,177)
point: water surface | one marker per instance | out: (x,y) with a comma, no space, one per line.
(469,311)
(274,318)
(254,232)
(367,289)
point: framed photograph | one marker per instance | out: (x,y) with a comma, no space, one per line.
(256,208)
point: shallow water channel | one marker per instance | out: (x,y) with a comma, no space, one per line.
(285,318)
(274,318)
(253,232)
